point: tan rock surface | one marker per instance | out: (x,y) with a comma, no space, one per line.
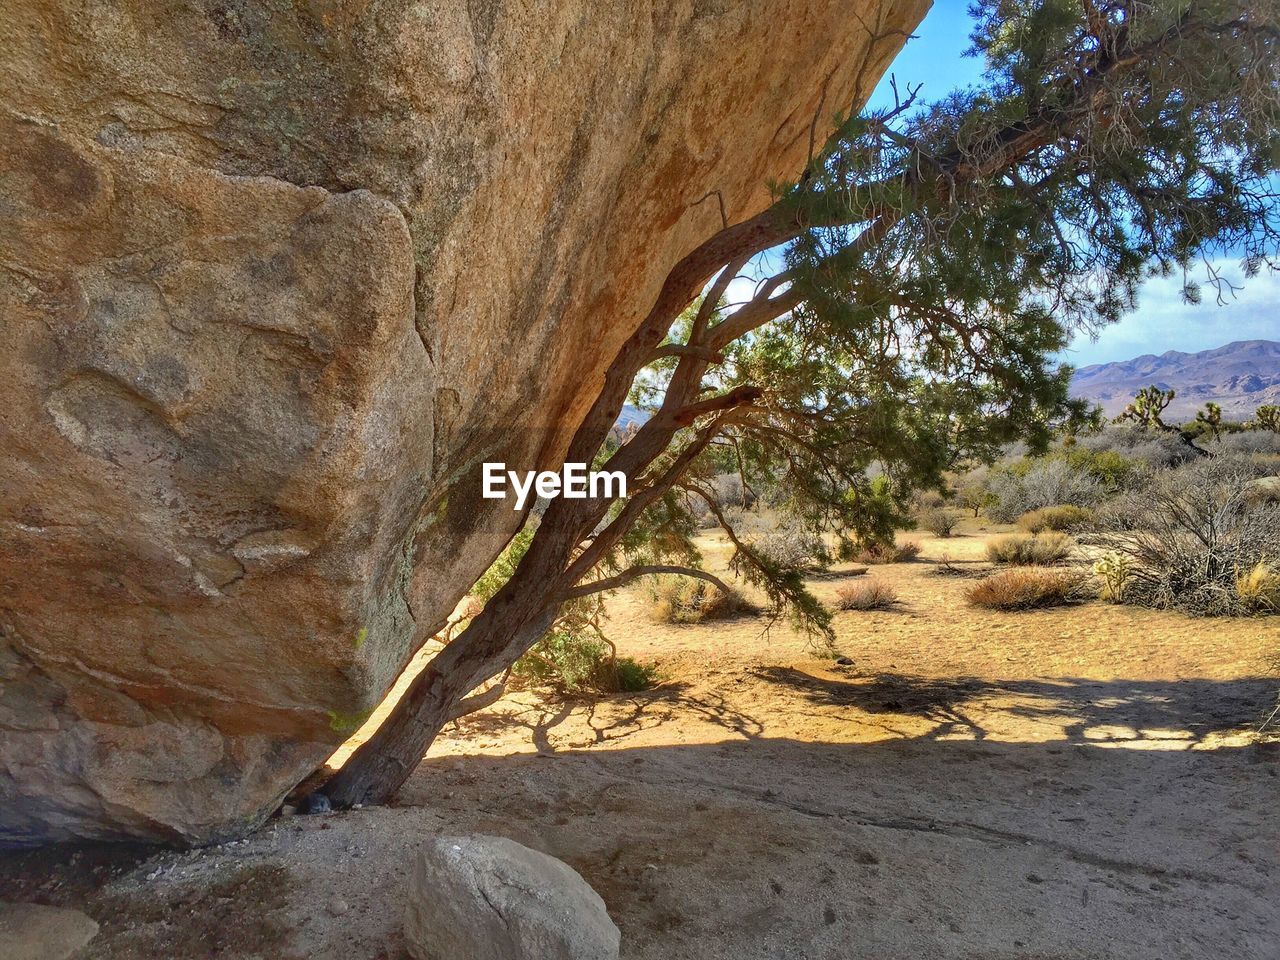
(30,931)
(274,279)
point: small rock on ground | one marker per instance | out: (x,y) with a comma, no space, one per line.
(489,898)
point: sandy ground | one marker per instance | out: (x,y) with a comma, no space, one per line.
(1077,783)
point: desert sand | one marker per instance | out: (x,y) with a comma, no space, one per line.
(1078,783)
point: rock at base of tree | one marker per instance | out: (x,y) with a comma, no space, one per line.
(29,931)
(489,898)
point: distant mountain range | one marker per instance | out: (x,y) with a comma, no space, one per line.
(1240,377)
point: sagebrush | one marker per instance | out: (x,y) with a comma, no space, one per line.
(939,521)
(1036,549)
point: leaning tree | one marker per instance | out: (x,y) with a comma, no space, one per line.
(910,288)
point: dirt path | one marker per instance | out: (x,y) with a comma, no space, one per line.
(1064,784)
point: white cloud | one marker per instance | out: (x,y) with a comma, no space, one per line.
(1163,322)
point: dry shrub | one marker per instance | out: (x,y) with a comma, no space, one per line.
(1036,550)
(946,567)
(1032,484)
(1195,540)
(870,594)
(888,552)
(939,521)
(1259,588)
(790,545)
(1059,519)
(1027,588)
(688,600)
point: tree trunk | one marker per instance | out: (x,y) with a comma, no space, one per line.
(381,765)
(498,637)
(525,607)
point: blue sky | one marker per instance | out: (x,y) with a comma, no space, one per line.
(1162,321)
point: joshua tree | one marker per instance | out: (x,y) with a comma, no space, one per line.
(1147,405)
(1210,419)
(929,259)
(1267,417)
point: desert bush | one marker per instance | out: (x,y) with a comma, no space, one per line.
(886,552)
(678,599)
(1112,470)
(632,676)
(1259,588)
(939,521)
(1193,538)
(1060,518)
(1262,491)
(578,662)
(565,659)
(1114,570)
(573,655)
(730,491)
(1032,484)
(1251,443)
(869,594)
(928,500)
(1155,450)
(790,545)
(972,490)
(1027,588)
(1034,550)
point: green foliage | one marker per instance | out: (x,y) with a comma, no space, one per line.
(1209,419)
(1267,417)
(504,566)
(574,655)
(578,663)
(1038,549)
(972,494)
(632,676)
(562,658)
(1113,470)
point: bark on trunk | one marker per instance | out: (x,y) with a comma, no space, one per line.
(380,765)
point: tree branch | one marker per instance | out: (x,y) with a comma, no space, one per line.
(633,573)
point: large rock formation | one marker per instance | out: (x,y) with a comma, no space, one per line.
(275,277)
